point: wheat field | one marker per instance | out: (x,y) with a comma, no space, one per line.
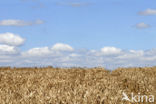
(74,85)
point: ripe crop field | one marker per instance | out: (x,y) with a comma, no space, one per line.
(75,85)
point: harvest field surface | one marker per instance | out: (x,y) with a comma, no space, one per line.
(75,85)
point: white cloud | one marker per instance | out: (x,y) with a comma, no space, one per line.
(38,51)
(110,50)
(5,49)
(74,55)
(132,54)
(45,51)
(148,12)
(142,25)
(63,55)
(11,39)
(62,47)
(138,52)
(109,57)
(12,22)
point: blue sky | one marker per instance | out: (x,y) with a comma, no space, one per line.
(100,23)
(82,24)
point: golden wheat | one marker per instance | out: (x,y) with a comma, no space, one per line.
(73,86)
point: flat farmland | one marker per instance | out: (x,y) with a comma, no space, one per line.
(75,85)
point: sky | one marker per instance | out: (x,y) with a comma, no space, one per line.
(81,33)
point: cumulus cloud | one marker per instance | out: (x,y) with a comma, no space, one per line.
(6,49)
(56,50)
(107,51)
(148,12)
(42,51)
(12,22)
(142,25)
(62,47)
(63,55)
(110,50)
(11,39)
(132,54)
